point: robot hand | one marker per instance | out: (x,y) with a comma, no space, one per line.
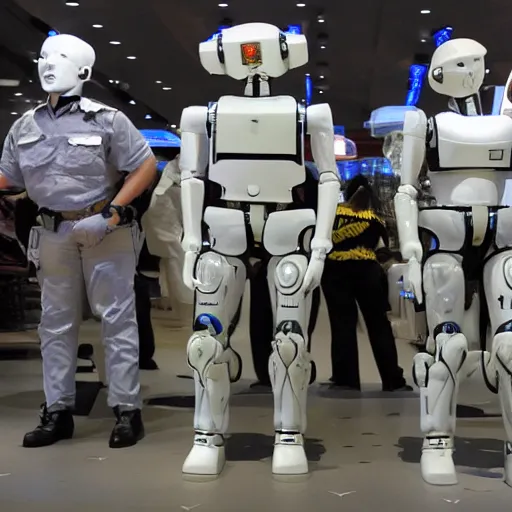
(413,279)
(90,231)
(314,272)
(188,270)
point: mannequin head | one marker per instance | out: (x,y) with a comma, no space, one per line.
(458,68)
(65,64)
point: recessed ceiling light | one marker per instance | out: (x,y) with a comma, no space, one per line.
(111,81)
(148,116)
(18,94)
(308,74)
(173,126)
(166,88)
(321,77)
(301,5)
(323,47)
(14,113)
(131,57)
(223,5)
(158,82)
(423,40)
(320,92)
(72,4)
(487,71)
(425,11)
(97,25)
(115,42)
(132,102)
(35,61)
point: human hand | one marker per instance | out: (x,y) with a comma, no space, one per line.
(90,231)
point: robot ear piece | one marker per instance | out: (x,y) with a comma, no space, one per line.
(283,45)
(85,73)
(437,75)
(220,49)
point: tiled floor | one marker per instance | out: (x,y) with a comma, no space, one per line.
(364,450)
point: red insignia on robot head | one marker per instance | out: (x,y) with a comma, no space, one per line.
(251,54)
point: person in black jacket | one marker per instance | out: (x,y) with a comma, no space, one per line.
(353,277)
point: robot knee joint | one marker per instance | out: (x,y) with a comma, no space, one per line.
(290,273)
(212,271)
(447,328)
(202,351)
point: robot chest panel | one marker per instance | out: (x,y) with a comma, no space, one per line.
(257,126)
(470,142)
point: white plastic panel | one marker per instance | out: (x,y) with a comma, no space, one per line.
(227,230)
(252,126)
(282,231)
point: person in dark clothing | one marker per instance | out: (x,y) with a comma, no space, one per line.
(352,277)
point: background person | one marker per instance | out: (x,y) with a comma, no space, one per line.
(353,277)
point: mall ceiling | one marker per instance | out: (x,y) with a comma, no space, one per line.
(363,48)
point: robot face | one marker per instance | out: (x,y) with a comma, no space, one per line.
(251,49)
(458,68)
(65,63)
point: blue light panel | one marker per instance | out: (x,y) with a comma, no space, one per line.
(417,74)
(443,35)
(161,139)
(294,29)
(309,89)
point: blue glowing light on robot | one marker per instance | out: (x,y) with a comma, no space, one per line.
(441,36)
(292,29)
(52,33)
(161,139)
(417,73)
(309,89)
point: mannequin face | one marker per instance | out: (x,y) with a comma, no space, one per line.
(65,64)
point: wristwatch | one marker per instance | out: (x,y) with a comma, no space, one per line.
(126,213)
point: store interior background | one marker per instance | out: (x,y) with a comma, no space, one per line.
(366,445)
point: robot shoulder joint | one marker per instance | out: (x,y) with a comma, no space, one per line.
(319,118)
(193,120)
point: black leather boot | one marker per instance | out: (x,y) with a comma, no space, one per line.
(53,427)
(129,429)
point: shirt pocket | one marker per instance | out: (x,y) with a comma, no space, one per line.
(85,149)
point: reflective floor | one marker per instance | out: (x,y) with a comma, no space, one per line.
(363,448)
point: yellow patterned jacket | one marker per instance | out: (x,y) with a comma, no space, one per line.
(356,234)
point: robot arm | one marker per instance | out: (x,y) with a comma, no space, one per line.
(406,206)
(321,130)
(193,163)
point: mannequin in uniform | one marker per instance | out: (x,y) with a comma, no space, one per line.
(69,154)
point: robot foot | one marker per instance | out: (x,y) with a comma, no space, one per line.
(437,467)
(508,463)
(207,456)
(289,456)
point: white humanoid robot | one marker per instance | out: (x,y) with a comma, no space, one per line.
(469,160)
(252,148)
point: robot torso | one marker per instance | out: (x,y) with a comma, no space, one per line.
(257,148)
(469,158)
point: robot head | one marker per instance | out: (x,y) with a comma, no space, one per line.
(252,49)
(65,64)
(458,68)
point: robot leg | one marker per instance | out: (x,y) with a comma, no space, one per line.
(498,290)
(290,364)
(214,362)
(437,373)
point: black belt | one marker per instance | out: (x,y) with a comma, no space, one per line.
(51,220)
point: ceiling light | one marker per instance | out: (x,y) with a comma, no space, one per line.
(301,5)
(487,71)
(14,113)
(308,74)
(166,88)
(425,11)
(321,77)
(148,116)
(323,47)
(223,5)
(173,126)
(132,102)
(320,92)
(35,61)
(115,42)
(158,82)
(111,81)
(72,4)
(131,57)
(18,94)
(97,25)
(423,40)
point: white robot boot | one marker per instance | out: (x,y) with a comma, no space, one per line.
(439,381)
(290,373)
(501,360)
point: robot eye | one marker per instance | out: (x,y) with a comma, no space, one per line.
(461,64)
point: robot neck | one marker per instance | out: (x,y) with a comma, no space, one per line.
(470,106)
(257,86)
